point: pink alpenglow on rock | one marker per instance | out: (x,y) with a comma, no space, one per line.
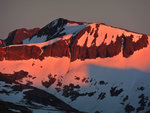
(75,67)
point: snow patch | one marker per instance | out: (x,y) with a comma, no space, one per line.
(74,30)
(35,39)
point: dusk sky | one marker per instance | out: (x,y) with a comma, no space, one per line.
(133,15)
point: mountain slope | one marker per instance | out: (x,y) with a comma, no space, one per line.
(89,67)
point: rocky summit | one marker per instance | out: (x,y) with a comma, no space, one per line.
(75,67)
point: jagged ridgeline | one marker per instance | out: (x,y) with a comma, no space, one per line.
(75,67)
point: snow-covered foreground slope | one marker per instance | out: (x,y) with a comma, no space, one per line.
(88,85)
(76,67)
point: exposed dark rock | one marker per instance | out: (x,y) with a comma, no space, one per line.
(22,52)
(129,46)
(85,80)
(70,49)
(148,111)
(97,112)
(29,83)
(7,107)
(103,82)
(11,78)
(149,104)
(70,91)
(2,53)
(142,102)
(92,31)
(129,108)
(114,49)
(59,83)
(92,52)
(19,87)
(44,98)
(17,36)
(32,95)
(77,78)
(53,29)
(78,52)
(49,82)
(101,96)
(140,88)
(3,91)
(96,31)
(125,98)
(91,93)
(58,49)
(115,92)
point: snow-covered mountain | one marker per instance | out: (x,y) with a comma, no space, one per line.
(75,67)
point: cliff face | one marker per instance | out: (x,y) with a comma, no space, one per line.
(18,35)
(87,41)
(66,64)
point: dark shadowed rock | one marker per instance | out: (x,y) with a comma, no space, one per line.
(44,98)
(11,78)
(8,107)
(70,49)
(22,52)
(53,29)
(115,92)
(142,102)
(2,53)
(129,46)
(101,96)
(18,35)
(50,82)
(129,108)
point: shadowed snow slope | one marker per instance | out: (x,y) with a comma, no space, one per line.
(75,67)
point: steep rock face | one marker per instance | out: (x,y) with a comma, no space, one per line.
(26,52)
(22,52)
(93,51)
(18,35)
(53,29)
(58,49)
(2,53)
(129,47)
(57,28)
(88,41)
(56,84)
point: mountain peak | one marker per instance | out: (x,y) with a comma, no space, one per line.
(66,64)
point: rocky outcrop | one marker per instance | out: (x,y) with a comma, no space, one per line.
(22,52)
(73,51)
(110,46)
(129,46)
(12,78)
(58,49)
(92,52)
(29,96)
(2,53)
(18,35)
(53,29)
(8,107)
